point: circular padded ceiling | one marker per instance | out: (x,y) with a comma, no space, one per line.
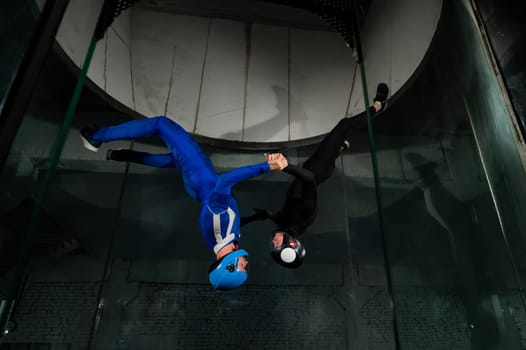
(249,71)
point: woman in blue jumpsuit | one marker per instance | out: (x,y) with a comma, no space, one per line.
(219,217)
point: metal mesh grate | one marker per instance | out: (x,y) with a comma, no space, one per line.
(122,5)
(111,10)
(338,13)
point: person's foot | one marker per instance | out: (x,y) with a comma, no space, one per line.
(346,145)
(121,154)
(109,154)
(86,134)
(382,92)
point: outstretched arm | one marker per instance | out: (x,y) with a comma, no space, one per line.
(304,184)
(258,215)
(275,161)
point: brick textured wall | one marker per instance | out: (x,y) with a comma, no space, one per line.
(254,317)
(428,318)
(170,316)
(518,314)
(54,313)
(432,319)
(376,320)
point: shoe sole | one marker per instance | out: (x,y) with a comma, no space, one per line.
(386,90)
(88,145)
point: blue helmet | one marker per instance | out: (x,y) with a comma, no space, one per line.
(224,273)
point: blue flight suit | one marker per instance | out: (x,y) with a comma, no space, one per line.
(219,217)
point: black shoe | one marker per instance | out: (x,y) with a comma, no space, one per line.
(346,145)
(87,141)
(109,153)
(382,92)
(120,155)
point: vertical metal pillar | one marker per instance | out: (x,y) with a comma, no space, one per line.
(19,95)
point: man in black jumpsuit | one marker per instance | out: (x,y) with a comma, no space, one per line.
(300,208)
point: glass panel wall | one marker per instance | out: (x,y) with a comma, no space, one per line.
(43,264)
(451,169)
(118,261)
(18,20)
(503,24)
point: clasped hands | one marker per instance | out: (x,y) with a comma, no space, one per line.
(277,161)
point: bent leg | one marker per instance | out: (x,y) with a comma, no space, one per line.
(154,160)
(199,175)
(322,161)
(133,129)
(198,172)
